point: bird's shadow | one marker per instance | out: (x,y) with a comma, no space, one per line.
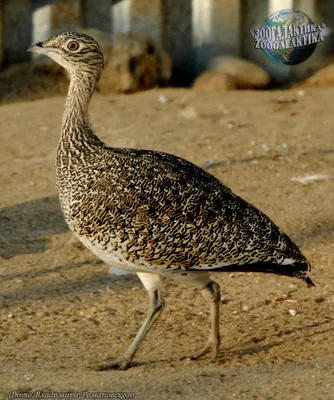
(99,281)
(247,348)
(24,226)
(250,348)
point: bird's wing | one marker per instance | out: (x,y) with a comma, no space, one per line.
(165,210)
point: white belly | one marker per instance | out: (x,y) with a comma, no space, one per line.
(117,259)
(196,278)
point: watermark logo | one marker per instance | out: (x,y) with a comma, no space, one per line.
(288,37)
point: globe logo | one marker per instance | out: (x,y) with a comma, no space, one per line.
(288,37)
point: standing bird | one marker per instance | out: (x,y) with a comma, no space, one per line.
(151,212)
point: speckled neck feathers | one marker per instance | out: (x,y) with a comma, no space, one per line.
(76,124)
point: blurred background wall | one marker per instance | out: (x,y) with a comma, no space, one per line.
(191,31)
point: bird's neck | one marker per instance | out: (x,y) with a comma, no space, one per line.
(79,94)
(76,126)
(77,141)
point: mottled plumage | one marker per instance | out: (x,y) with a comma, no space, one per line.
(156,208)
(152,212)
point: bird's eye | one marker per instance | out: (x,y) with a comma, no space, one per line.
(73,46)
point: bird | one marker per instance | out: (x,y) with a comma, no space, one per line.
(154,213)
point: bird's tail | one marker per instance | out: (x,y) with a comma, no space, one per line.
(297,270)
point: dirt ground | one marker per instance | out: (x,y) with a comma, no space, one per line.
(60,309)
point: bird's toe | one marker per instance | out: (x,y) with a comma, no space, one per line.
(204,350)
(117,363)
(210,347)
(214,354)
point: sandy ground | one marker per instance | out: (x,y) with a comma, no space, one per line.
(60,310)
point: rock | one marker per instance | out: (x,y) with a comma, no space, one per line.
(188,112)
(162,99)
(135,64)
(214,81)
(322,78)
(246,74)
(319,300)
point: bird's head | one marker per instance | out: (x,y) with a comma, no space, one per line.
(76,52)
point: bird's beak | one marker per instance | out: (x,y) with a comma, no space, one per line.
(38,48)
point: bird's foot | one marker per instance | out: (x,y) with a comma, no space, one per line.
(116,363)
(210,347)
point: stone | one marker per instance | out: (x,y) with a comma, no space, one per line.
(134,64)
(322,78)
(246,74)
(214,81)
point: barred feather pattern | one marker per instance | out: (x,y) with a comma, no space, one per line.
(156,208)
(151,211)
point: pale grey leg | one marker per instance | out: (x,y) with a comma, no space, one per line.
(212,292)
(156,303)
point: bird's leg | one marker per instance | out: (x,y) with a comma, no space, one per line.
(201,280)
(156,303)
(211,291)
